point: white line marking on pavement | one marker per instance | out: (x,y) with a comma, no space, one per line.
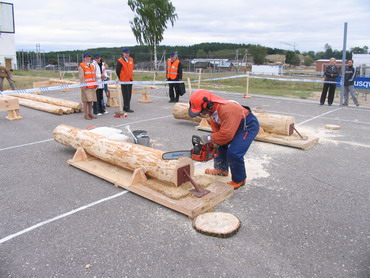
(28,144)
(318,116)
(5,239)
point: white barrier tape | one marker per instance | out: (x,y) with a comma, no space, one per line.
(269,78)
(55,88)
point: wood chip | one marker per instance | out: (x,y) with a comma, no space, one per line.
(333,127)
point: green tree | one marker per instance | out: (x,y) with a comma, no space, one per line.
(150,21)
(308,61)
(360,50)
(292,58)
(258,53)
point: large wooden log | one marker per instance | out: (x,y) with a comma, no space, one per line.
(41,106)
(123,154)
(180,111)
(52,100)
(278,124)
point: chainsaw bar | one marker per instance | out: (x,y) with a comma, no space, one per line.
(176,155)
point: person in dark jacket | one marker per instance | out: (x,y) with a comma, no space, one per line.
(349,81)
(174,73)
(331,73)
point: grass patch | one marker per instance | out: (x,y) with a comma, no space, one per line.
(303,90)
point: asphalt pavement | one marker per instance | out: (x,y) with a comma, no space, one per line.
(303,213)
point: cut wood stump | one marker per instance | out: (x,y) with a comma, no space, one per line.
(217,224)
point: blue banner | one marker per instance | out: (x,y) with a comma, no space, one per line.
(360,83)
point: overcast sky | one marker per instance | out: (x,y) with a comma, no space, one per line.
(81,24)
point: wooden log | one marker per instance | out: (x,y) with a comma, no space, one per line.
(76,107)
(123,154)
(41,106)
(180,111)
(278,124)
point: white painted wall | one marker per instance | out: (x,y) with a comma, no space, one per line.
(7,49)
(266,69)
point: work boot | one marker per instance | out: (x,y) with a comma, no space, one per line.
(216,172)
(236,185)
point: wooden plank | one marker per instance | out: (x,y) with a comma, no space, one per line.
(289,141)
(8,103)
(189,205)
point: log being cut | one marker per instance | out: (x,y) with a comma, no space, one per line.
(124,154)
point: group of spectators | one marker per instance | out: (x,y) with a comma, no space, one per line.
(331,73)
(93,95)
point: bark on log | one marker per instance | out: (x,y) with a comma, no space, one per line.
(123,154)
(41,106)
(278,124)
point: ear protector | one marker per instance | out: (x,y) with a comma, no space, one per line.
(209,104)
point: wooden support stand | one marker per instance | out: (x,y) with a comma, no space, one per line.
(204,125)
(144,94)
(11,105)
(136,182)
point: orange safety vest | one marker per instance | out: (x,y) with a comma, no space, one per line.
(172,68)
(89,74)
(127,70)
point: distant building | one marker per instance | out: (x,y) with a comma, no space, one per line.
(362,64)
(323,63)
(267,69)
(8,55)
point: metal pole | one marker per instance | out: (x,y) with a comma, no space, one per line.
(343,65)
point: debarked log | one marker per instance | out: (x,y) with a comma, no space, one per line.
(124,154)
(41,106)
(278,124)
(52,100)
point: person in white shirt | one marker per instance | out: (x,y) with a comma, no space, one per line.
(98,108)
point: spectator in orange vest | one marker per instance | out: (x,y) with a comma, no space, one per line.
(174,73)
(86,73)
(125,73)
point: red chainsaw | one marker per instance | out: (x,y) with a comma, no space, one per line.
(199,152)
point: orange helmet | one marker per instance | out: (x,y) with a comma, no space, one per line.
(201,100)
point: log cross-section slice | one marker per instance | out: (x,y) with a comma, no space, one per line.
(217,224)
(124,154)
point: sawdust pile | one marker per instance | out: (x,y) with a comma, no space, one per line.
(182,191)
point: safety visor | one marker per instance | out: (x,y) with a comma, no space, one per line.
(194,111)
